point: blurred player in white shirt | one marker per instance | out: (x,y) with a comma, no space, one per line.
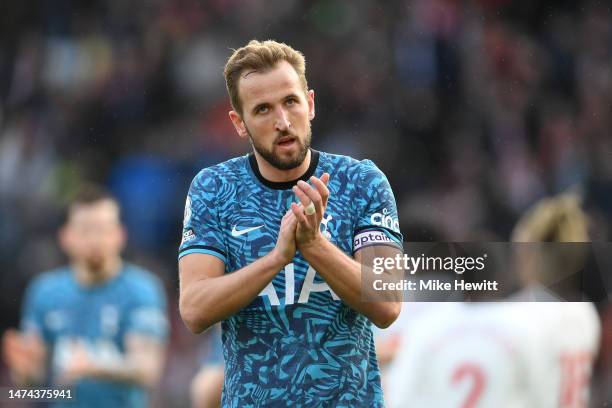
(515,354)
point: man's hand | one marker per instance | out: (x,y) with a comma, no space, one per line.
(341,272)
(308,229)
(78,366)
(25,355)
(285,244)
(141,363)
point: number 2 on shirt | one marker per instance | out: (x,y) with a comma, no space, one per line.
(475,374)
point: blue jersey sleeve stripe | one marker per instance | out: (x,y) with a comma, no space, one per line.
(203,249)
(390,233)
(211,248)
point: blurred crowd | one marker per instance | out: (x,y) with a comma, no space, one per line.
(473,109)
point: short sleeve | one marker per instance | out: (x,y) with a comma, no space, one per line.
(201,230)
(32,314)
(147,315)
(377,220)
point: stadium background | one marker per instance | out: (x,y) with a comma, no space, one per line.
(474,110)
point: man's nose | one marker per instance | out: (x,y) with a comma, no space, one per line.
(282,122)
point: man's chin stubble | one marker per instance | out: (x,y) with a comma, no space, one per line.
(290,163)
(279,163)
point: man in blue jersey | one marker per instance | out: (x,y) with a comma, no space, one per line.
(278,259)
(98,324)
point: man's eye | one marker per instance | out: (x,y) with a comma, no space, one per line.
(290,102)
(262,109)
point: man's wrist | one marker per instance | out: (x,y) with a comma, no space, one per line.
(314,246)
(277,260)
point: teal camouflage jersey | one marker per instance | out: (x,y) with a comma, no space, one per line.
(99,318)
(297,343)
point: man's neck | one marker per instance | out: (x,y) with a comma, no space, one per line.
(88,277)
(275,175)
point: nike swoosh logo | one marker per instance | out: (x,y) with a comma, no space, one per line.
(236,233)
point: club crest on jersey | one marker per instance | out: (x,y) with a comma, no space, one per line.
(384,219)
(324,226)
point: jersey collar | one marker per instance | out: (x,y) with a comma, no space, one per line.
(285,185)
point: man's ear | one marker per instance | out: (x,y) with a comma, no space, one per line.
(123,232)
(63,238)
(311,105)
(238,124)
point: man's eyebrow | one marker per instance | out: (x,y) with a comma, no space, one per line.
(249,73)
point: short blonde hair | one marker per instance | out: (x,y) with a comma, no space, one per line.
(557,219)
(260,56)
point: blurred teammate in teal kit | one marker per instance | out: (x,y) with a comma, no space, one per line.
(99,323)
